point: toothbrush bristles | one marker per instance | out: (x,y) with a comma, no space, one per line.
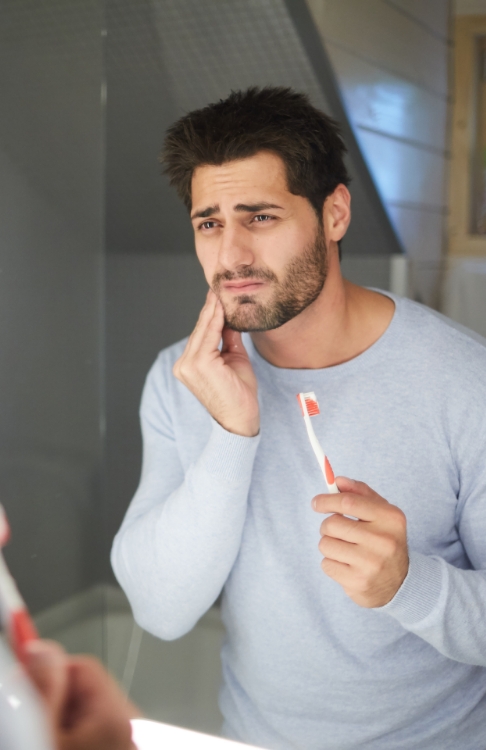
(311,404)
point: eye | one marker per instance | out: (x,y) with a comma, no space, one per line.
(207,225)
(262,217)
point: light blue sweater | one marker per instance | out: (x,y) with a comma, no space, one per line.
(304,667)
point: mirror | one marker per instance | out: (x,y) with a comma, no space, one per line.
(98,272)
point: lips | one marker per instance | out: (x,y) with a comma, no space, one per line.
(243,286)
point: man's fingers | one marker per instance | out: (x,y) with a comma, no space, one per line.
(232,341)
(204,339)
(46,664)
(341,527)
(338,571)
(211,336)
(349,504)
(97,713)
(345,484)
(343,552)
(367,507)
(198,331)
(207,334)
(205,317)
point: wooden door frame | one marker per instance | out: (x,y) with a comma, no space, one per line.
(461,242)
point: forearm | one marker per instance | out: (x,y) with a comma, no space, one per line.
(173,555)
(445,606)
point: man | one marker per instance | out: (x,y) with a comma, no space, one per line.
(382,643)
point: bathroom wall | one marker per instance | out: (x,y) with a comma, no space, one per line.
(51,172)
(391,59)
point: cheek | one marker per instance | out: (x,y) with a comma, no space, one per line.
(283,248)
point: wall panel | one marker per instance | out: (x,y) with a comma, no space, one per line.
(429,12)
(391,61)
(378,32)
(385,102)
(422,232)
(404,173)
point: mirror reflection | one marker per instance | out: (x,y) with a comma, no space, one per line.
(271,531)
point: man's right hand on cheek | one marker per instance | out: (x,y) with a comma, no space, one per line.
(223,381)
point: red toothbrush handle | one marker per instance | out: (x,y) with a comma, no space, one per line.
(22,630)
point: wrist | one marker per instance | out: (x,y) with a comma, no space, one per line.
(249,430)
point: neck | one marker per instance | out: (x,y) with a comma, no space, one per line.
(340,324)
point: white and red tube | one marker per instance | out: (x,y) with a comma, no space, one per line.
(14,613)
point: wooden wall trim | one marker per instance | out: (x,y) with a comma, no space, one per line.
(461,241)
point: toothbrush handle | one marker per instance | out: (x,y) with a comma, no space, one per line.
(329,477)
(320,455)
(22,631)
(14,613)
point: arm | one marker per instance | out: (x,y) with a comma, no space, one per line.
(182,532)
(445,606)
(442,604)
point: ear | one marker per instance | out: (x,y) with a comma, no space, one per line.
(336,213)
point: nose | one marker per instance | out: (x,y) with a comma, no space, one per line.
(235,249)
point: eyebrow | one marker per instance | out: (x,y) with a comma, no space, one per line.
(243,207)
(205,212)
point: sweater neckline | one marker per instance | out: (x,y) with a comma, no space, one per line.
(367,358)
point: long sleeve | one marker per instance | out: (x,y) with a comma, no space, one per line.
(445,606)
(444,603)
(182,531)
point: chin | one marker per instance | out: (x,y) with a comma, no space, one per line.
(241,322)
(256,321)
(245,328)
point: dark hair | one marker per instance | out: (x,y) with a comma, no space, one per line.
(247,122)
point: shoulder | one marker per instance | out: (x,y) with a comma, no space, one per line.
(434,326)
(433,339)
(160,382)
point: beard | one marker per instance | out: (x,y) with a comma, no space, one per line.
(302,282)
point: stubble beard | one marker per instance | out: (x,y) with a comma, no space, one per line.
(303,280)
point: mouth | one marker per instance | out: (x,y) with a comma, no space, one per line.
(243,287)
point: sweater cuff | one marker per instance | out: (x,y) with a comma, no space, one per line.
(420,593)
(229,456)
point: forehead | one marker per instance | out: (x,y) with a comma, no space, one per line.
(263,174)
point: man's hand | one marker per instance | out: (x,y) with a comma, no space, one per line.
(86,708)
(367,556)
(224,382)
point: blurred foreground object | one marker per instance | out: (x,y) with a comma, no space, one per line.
(22,722)
(151,735)
(15,616)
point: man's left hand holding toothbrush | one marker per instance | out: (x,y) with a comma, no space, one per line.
(366,554)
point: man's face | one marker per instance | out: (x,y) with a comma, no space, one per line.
(262,248)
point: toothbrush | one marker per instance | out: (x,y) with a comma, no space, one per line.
(15,616)
(310,408)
